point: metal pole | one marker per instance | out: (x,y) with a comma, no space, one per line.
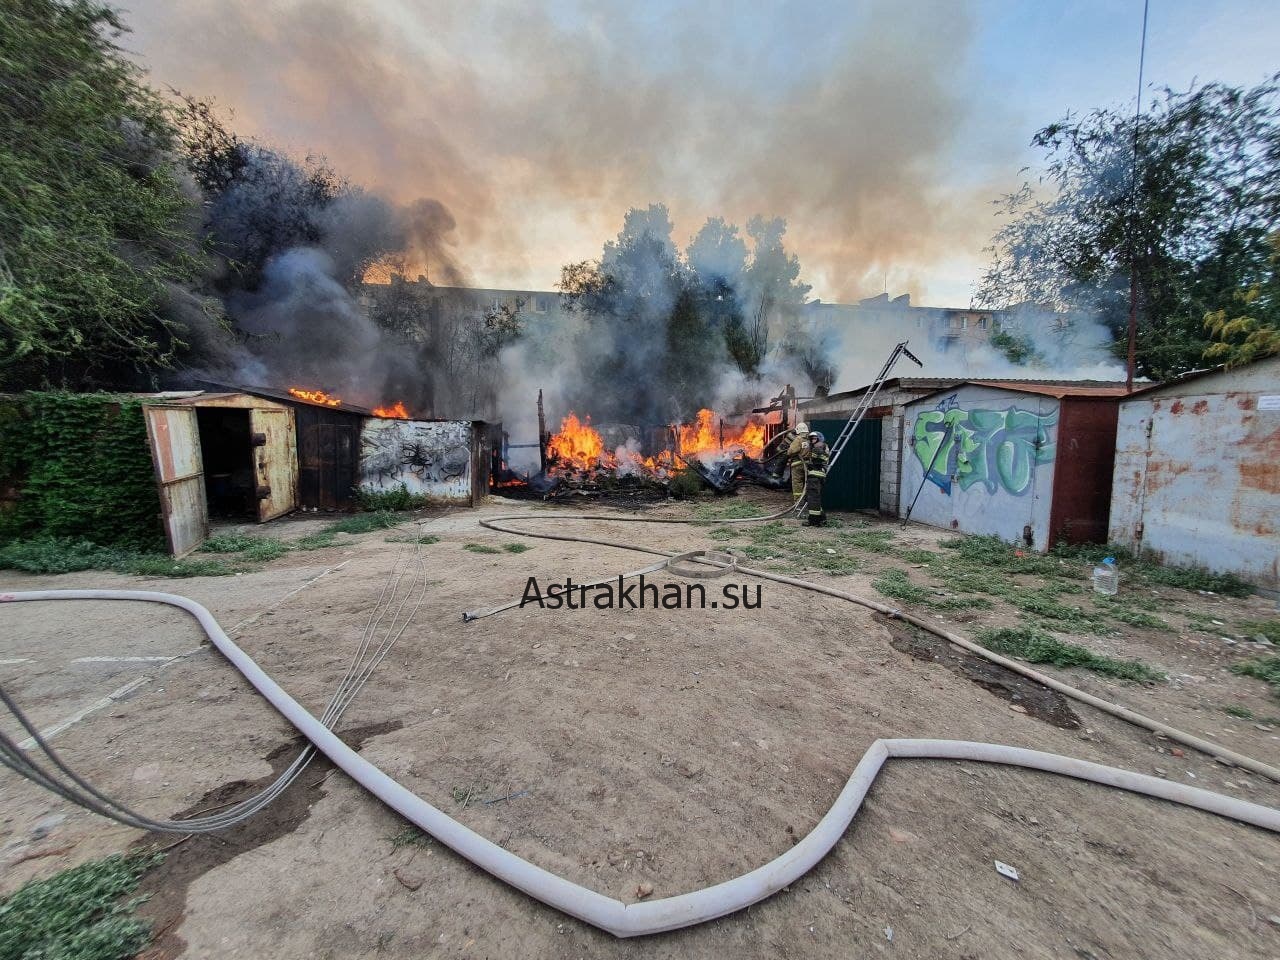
(928,470)
(542,435)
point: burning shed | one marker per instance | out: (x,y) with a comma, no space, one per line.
(983,457)
(1197,472)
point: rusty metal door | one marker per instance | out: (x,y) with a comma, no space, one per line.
(174,437)
(275,462)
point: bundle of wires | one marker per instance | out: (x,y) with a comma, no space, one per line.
(397,605)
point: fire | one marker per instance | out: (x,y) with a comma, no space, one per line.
(396,411)
(579,446)
(315,396)
(703,436)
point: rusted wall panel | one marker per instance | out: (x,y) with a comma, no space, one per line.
(993,473)
(1197,478)
(1082,487)
(275,462)
(430,459)
(328,454)
(174,437)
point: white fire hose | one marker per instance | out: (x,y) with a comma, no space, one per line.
(670,913)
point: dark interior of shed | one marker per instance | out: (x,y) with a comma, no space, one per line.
(225,447)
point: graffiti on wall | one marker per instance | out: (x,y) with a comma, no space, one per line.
(999,449)
(426,458)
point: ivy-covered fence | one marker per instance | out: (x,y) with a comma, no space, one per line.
(81,469)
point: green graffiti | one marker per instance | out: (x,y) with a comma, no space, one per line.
(999,449)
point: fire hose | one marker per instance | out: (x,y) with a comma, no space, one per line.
(670,913)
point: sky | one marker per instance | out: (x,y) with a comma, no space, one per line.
(882,132)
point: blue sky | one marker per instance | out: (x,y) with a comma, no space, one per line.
(881,131)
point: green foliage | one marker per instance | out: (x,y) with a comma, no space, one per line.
(384,500)
(724,533)
(896,584)
(1250,329)
(228,543)
(516,547)
(1267,628)
(78,914)
(366,522)
(84,470)
(48,555)
(1183,204)
(1037,647)
(1194,578)
(425,539)
(685,484)
(1017,347)
(480,548)
(411,837)
(94,224)
(730,510)
(1264,668)
(1122,611)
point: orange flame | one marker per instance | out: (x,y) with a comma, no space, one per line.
(396,411)
(315,396)
(579,445)
(703,436)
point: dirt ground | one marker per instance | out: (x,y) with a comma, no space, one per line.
(672,748)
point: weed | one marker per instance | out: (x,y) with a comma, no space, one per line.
(410,837)
(913,555)
(228,543)
(383,500)
(685,484)
(872,541)
(1193,578)
(1244,713)
(316,541)
(78,914)
(1041,603)
(423,539)
(480,548)
(724,533)
(1120,610)
(365,522)
(69,556)
(727,510)
(992,553)
(1037,647)
(1093,553)
(515,547)
(1266,628)
(896,584)
(1264,668)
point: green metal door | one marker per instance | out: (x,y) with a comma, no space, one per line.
(854,484)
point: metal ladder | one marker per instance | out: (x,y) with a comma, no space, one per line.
(868,400)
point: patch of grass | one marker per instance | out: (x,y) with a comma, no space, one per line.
(728,510)
(365,522)
(316,541)
(425,539)
(266,549)
(1263,668)
(410,837)
(228,543)
(1038,647)
(1244,713)
(78,914)
(1192,578)
(915,555)
(1042,603)
(1120,610)
(896,584)
(875,540)
(516,547)
(1092,553)
(383,500)
(480,548)
(69,556)
(1266,628)
(685,484)
(991,553)
(725,533)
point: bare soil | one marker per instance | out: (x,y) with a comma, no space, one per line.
(676,748)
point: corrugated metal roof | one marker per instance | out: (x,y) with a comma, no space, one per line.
(896,383)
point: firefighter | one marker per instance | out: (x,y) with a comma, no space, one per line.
(795,459)
(817,454)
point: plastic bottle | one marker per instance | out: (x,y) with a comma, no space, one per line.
(1106,578)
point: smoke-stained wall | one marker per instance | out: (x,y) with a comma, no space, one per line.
(430,459)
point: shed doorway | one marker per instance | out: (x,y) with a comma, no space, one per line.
(225,448)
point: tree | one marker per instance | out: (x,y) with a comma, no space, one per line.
(94,224)
(1183,203)
(1249,330)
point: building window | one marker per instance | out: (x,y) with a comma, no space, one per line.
(982,323)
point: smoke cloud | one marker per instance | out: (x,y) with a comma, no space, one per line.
(536,129)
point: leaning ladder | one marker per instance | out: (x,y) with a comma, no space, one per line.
(868,400)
